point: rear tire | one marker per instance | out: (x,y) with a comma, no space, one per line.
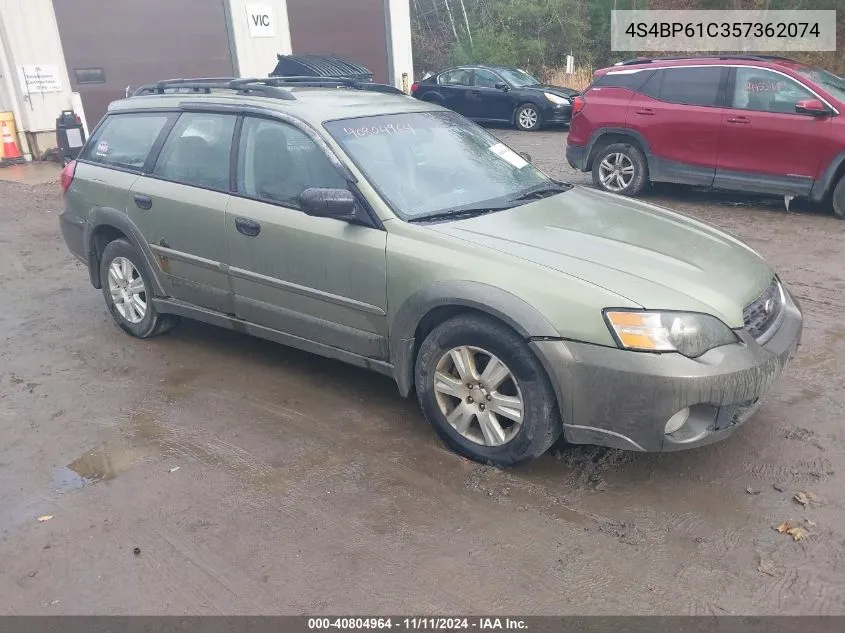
(508,416)
(620,168)
(126,290)
(838,199)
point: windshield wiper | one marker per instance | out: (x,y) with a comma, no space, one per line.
(544,191)
(461,213)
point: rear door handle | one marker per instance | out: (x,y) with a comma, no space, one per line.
(645,111)
(738,119)
(143,202)
(250,228)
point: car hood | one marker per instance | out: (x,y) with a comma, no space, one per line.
(557,90)
(651,256)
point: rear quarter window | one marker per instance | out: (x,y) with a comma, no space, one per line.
(632,80)
(125,140)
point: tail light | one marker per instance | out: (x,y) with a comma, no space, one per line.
(578,104)
(67,175)
(414,87)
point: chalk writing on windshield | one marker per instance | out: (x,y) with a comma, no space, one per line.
(389,130)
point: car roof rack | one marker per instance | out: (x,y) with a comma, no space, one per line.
(756,58)
(273,87)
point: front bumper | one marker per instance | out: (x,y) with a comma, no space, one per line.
(557,114)
(612,397)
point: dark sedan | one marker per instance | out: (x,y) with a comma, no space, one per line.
(498,94)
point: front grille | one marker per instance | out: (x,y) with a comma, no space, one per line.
(762,316)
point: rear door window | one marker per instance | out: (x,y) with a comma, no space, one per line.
(691,85)
(457,77)
(125,140)
(197,151)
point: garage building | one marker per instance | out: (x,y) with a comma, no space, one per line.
(82,54)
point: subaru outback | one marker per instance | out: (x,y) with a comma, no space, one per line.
(398,236)
(747,123)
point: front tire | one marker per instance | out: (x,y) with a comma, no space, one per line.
(485,393)
(839,199)
(528,118)
(620,168)
(126,290)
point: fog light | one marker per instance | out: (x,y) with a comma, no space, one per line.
(677,421)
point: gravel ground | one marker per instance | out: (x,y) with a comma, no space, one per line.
(207,472)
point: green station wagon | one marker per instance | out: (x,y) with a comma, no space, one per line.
(398,236)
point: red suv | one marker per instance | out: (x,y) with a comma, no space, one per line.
(748,123)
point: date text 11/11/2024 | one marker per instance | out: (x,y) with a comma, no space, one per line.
(417,624)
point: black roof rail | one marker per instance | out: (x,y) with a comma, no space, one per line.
(648,60)
(758,58)
(265,86)
(206,85)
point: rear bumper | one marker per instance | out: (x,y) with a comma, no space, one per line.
(73,232)
(623,399)
(576,156)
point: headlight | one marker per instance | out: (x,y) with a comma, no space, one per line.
(690,334)
(556,99)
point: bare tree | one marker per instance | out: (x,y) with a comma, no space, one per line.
(466,21)
(451,19)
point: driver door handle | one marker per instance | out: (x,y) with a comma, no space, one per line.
(143,202)
(248,227)
(738,119)
(646,111)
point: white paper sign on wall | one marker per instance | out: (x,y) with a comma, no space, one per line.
(260,20)
(40,78)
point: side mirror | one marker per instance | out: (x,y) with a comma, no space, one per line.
(328,203)
(525,156)
(502,86)
(813,107)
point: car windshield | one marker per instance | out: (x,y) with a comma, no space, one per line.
(827,80)
(518,78)
(438,164)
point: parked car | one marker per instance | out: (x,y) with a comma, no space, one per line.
(747,123)
(398,236)
(497,94)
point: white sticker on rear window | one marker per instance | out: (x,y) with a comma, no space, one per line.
(102,148)
(506,153)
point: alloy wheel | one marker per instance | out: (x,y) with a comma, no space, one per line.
(478,395)
(127,290)
(528,118)
(616,172)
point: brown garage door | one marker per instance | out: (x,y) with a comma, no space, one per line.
(354,30)
(111,45)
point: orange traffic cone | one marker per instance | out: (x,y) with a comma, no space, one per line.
(10,147)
